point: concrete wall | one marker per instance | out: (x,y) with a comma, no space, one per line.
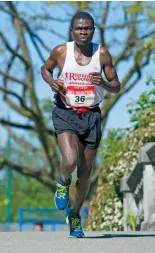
(138,189)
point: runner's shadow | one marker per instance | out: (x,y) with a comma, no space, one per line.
(109,236)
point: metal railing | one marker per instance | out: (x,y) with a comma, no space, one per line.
(48,216)
(138,189)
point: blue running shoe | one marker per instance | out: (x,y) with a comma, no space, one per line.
(61,197)
(74,222)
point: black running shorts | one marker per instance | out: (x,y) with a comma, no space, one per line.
(87,126)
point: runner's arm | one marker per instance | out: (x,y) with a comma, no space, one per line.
(48,67)
(113,85)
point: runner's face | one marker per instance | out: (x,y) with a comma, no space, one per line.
(83,31)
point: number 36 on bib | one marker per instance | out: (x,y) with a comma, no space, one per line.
(82,95)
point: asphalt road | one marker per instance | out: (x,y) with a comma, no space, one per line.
(58,242)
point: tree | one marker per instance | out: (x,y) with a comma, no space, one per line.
(138,108)
(26,193)
(19,90)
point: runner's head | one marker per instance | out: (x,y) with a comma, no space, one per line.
(82,27)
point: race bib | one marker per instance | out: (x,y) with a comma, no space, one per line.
(82,95)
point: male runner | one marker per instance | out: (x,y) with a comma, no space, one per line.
(76,115)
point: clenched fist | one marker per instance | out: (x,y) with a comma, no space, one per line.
(58,86)
(96,78)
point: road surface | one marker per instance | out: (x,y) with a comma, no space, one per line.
(58,242)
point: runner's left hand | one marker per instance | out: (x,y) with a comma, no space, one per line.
(96,78)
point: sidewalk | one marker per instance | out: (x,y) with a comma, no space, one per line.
(58,242)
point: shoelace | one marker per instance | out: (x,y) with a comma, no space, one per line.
(62,190)
(75,223)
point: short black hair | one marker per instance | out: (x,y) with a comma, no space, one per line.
(81,15)
(39,223)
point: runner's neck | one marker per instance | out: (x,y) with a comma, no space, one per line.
(86,50)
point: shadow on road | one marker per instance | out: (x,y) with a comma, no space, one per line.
(109,236)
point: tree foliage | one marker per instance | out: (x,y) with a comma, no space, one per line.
(138,108)
(25,193)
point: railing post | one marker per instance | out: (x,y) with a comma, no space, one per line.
(149,191)
(141,183)
(125,191)
(20,218)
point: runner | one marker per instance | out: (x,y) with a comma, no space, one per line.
(76,115)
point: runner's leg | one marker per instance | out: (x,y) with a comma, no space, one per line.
(86,159)
(68,145)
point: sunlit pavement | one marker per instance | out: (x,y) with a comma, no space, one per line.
(58,242)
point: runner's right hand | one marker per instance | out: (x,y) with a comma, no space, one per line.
(58,86)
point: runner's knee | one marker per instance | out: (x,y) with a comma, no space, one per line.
(83,174)
(69,162)
(83,182)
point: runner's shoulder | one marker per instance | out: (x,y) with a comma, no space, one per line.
(103,51)
(60,49)
(105,56)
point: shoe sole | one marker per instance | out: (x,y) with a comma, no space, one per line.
(74,237)
(71,236)
(67,220)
